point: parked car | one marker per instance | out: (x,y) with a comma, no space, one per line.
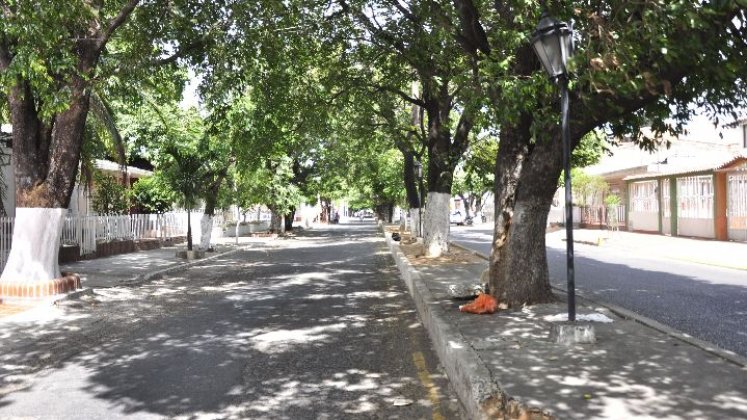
(456,218)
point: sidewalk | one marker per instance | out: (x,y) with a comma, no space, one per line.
(505,365)
(134,267)
(702,251)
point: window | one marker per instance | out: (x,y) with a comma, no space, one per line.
(744,136)
(643,196)
(695,197)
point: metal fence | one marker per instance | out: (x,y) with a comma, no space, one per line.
(590,216)
(6,235)
(603,216)
(88,231)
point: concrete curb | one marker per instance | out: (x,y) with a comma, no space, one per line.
(627,314)
(142,278)
(479,392)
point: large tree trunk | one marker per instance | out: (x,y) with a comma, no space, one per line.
(436,224)
(46,165)
(206,222)
(467,200)
(206,231)
(276,222)
(289,217)
(416,227)
(526,180)
(409,177)
(443,156)
(36,243)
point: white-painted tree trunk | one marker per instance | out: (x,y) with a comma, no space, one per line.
(206,231)
(415,218)
(436,225)
(35,247)
(277,224)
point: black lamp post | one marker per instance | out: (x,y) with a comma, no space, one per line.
(553,43)
(419,172)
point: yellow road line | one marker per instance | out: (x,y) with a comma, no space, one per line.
(425,379)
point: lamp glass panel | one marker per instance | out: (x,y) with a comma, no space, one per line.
(539,49)
(566,43)
(551,50)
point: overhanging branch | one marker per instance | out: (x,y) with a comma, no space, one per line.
(115,23)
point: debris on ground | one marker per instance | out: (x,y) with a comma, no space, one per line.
(484,304)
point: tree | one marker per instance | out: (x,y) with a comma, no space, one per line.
(587,189)
(476,178)
(185,174)
(636,62)
(411,42)
(51,57)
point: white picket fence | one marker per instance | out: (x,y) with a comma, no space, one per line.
(87,231)
(6,234)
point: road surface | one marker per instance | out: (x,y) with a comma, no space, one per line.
(316,327)
(706,302)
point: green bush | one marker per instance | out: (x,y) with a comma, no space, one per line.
(109,195)
(152,195)
(612,200)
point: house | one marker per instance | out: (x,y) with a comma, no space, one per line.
(709,201)
(696,187)
(80,201)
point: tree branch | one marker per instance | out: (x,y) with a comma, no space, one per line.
(405,12)
(403,95)
(115,23)
(5,56)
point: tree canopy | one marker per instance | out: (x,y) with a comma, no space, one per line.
(304,99)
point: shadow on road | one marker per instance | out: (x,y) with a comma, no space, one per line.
(293,332)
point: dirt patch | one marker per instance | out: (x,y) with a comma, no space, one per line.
(413,250)
(394,228)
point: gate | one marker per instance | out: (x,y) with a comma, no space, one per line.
(736,213)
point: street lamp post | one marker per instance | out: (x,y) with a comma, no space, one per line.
(553,43)
(419,173)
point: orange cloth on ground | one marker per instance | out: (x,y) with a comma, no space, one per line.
(484,304)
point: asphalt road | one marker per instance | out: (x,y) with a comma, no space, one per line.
(706,302)
(317,327)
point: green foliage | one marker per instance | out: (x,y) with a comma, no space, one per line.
(612,200)
(587,189)
(477,175)
(269,185)
(109,195)
(185,175)
(152,195)
(589,150)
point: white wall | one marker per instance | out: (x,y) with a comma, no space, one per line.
(645,221)
(700,228)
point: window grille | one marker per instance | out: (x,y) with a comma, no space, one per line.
(665,199)
(643,197)
(737,195)
(695,197)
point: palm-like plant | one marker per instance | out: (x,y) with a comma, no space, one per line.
(186,175)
